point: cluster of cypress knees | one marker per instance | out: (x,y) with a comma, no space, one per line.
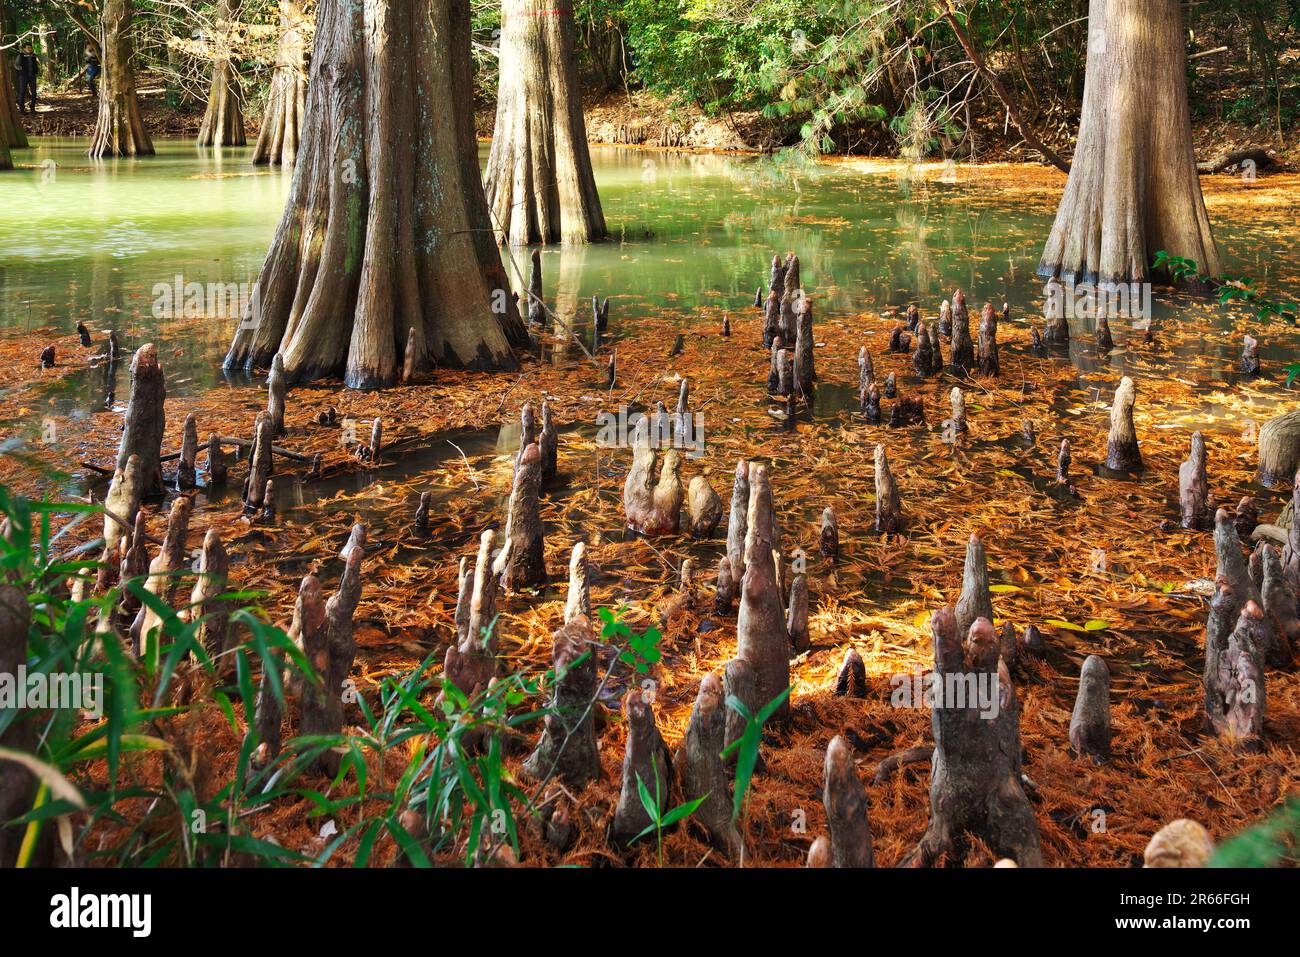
(977,786)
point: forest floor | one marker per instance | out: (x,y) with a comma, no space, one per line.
(1101,567)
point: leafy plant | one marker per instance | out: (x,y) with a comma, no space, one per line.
(658,820)
(746,746)
(641,651)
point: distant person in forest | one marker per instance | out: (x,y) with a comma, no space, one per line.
(92,71)
(26,78)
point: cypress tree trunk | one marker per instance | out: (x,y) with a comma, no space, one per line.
(385,227)
(277,141)
(223,121)
(119,129)
(1133,187)
(12,134)
(539,180)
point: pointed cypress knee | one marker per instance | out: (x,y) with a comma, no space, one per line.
(724,595)
(796,621)
(866,377)
(975,782)
(736,523)
(207,606)
(415,357)
(422,511)
(703,770)
(1105,341)
(945,319)
(1063,463)
(186,471)
(536,310)
(830,535)
(645,759)
(577,602)
(568,743)
(524,562)
(1090,722)
(963,347)
(851,682)
(1280,607)
(805,372)
(1239,682)
(146,420)
(1250,355)
(1122,454)
(259,463)
(125,493)
(217,469)
(1193,486)
(703,506)
(889,507)
(275,395)
(548,444)
(319,711)
(470,663)
(762,639)
(739,680)
(975,600)
(1058,326)
(846,808)
(988,341)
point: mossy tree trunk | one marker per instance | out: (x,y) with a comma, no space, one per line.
(539,179)
(385,227)
(1133,187)
(119,128)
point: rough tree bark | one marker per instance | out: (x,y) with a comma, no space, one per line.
(975,783)
(385,226)
(539,180)
(119,128)
(1133,188)
(277,141)
(223,121)
(12,134)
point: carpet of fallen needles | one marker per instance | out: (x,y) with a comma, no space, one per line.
(1100,567)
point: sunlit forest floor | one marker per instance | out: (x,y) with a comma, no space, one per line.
(1101,568)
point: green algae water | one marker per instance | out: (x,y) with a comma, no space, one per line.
(104,242)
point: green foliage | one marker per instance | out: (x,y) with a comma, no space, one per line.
(659,820)
(1269,843)
(641,651)
(747,744)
